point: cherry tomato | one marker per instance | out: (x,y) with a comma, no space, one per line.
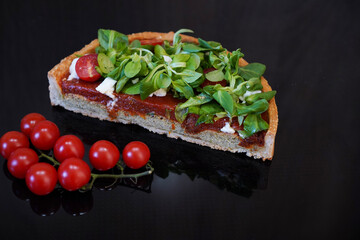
(41,178)
(151,42)
(73,173)
(44,135)
(104,155)
(68,146)
(11,141)
(85,68)
(20,161)
(29,121)
(136,154)
(207,82)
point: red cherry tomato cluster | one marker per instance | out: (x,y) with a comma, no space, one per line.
(73,173)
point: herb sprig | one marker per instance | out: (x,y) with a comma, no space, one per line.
(178,68)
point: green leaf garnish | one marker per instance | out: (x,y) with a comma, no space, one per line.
(178,68)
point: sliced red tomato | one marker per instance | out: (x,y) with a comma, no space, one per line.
(151,42)
(85,68)
(207,82)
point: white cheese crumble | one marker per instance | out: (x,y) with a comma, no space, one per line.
(110,104)
(248,93)
(227,128)
(134,81)
(73,74)
(107,87)
(159,93)
(167,59)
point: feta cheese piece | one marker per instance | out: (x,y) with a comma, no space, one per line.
(248,93)
(73,74)
(134,81)
(167,59)
(107,87)
(227,128)
(159,93)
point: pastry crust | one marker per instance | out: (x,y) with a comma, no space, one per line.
(158,124)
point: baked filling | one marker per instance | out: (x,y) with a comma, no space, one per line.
(161,106)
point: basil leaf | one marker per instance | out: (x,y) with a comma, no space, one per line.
(259,106)
(254,84)
(205,118)
(194,109)
(147,85)
(115,74)
(204,44)
(105,63)
(112,39)
(264,95)
(192,48)
(182,87)
(253,123)
(215,61)
(131,89)
(210,108)
(181,113)
(211,89)
(194,62)
(135,44)
(225,100)
(240,88)
(159,51)
(100,49)
(252,70)
(181,57)
(163,81)
(215,45)
(144,69)
(190,76)
(132,68)
(234,59)
(197,100)
(215,76)
(121,83)
(111,53)
(178,64)
(177,37)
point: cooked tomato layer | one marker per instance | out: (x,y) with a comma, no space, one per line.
(161,106)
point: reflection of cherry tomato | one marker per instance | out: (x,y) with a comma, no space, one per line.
(11,141)
(104,155)
(68,146)
(29,121)
(41,178)
(136,154)
(207,82)
(20,161)
(77,203)
(85,68)
(73,173)
(151,42)
(44,135)
(46,205)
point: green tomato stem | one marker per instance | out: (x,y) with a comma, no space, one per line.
(51,159)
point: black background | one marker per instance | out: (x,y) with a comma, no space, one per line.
(309,191)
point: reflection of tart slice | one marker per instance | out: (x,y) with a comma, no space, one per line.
(163,111)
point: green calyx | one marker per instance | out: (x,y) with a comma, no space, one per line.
(178,67)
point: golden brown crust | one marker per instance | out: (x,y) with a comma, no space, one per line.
(61,71)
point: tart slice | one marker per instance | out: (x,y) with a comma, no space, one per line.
(171,84)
